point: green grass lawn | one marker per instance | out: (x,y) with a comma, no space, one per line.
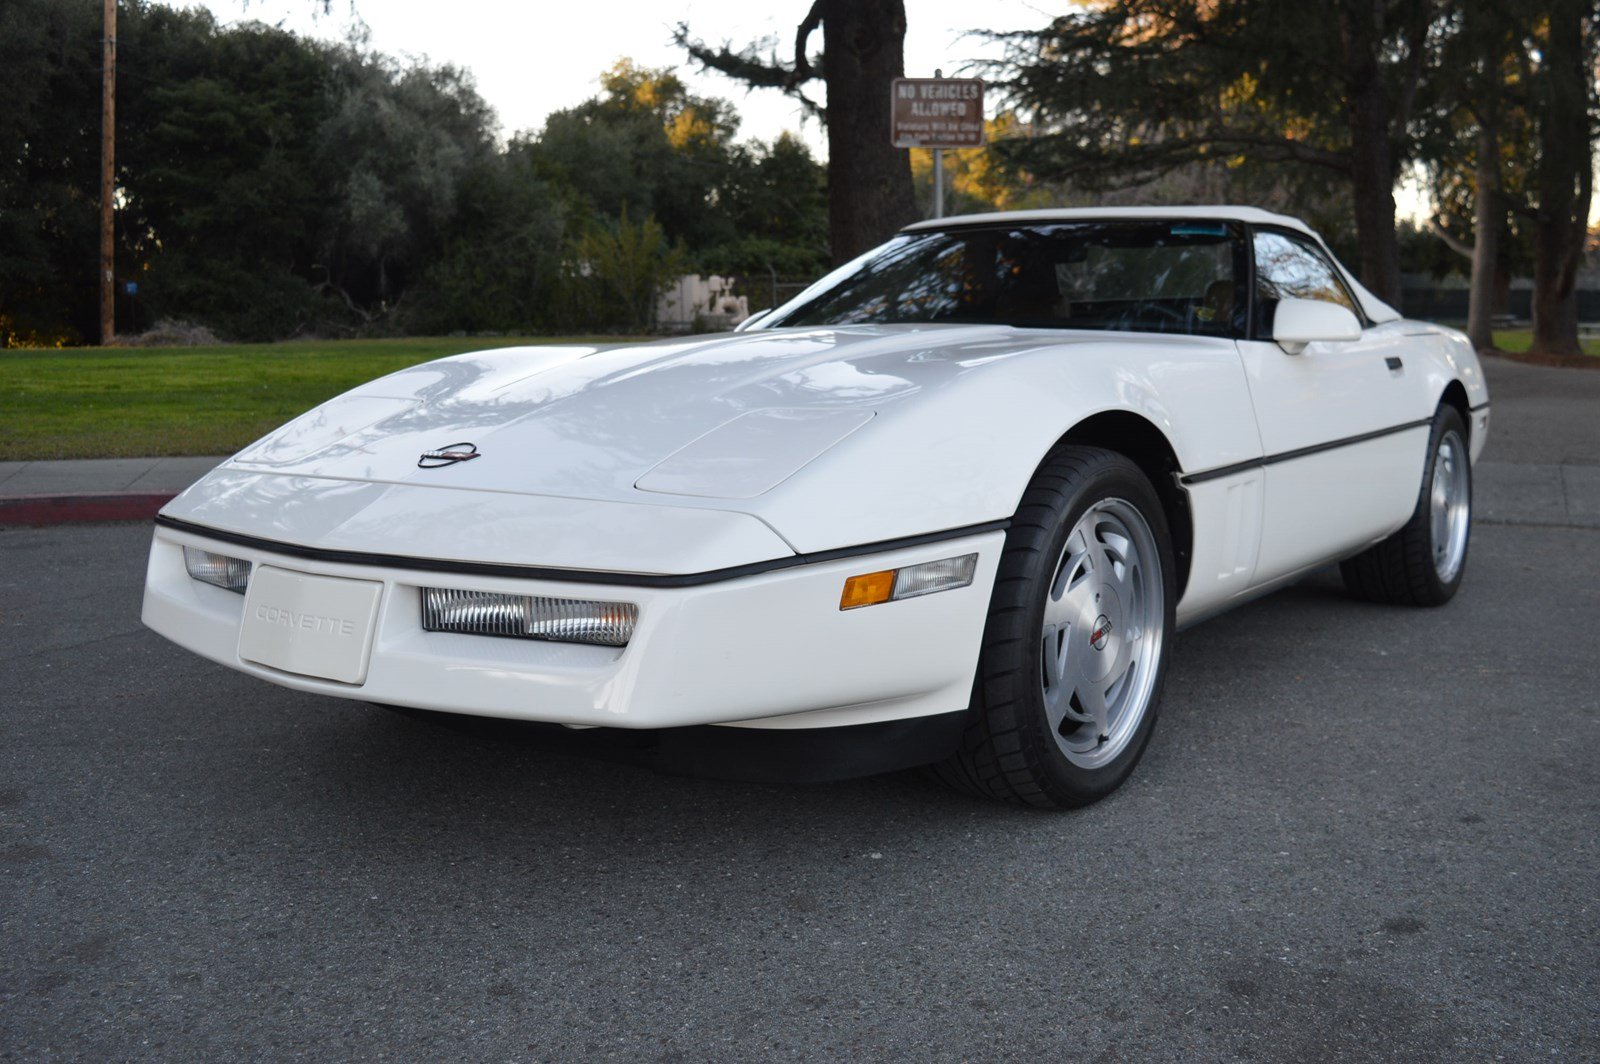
(1519,340)
(155,401)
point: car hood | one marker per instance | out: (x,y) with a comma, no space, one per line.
(690,455)
(602,423)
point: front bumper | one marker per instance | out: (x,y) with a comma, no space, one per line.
(771,650)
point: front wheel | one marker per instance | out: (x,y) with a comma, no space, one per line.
(1422,564)
(1080,627)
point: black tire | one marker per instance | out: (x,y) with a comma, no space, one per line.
(1009,750)
(1401,570)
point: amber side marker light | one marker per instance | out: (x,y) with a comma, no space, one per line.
(890,585)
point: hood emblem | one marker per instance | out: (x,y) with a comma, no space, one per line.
(449,454)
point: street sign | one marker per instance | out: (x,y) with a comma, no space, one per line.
(937,112)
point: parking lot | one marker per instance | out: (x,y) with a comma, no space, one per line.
(1360,833)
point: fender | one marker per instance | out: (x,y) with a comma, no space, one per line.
(955,457)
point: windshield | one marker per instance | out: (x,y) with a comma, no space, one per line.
(1173,277)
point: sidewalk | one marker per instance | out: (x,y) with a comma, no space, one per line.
(101,489)
(133,489)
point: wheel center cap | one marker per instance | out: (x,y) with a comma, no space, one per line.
(1100,633)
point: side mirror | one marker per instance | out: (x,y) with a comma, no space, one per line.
(753,319)
(1298,322)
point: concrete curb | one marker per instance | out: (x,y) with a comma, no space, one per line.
(60,509)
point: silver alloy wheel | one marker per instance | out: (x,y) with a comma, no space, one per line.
(1450,506)
(1104,620)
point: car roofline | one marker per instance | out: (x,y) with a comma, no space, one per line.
(1080,214)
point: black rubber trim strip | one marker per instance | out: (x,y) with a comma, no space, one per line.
(1289,456)
(1481,406)
(574,576)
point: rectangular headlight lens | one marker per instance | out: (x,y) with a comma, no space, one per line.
(528,616)
(219,570)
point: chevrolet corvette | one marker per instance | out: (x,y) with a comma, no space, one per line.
(948,506)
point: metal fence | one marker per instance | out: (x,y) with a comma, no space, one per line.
(1450,304)
(769,289)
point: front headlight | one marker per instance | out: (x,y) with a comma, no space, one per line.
(528,616)
(218,570)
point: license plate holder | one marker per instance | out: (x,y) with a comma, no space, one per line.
(318,626)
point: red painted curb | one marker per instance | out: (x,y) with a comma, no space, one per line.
(82,506)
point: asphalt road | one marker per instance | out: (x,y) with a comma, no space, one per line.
(1360,833)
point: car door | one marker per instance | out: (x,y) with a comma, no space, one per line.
(1343,450)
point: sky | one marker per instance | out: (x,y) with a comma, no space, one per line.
(533,58)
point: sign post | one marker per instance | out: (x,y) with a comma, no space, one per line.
(937,113)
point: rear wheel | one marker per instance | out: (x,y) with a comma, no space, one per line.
(1422,564)
(1080,628)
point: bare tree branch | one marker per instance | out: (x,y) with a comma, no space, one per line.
(1451,241)
(751,67)
(802,64)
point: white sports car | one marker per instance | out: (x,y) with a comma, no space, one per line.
(949,505)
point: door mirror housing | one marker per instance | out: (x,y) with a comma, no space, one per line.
(1298,322)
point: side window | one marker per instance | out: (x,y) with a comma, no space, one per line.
(1292,269)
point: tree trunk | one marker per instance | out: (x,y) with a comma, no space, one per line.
(1373,187)
(1373,171)
(869,182)
(1565,182)
(1488,216)
(1502,281)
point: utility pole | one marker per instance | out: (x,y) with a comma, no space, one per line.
(108,181)
(938,172)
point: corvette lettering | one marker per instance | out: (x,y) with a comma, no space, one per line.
(306,622)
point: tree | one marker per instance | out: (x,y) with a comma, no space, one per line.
(1565,103)
(617,272)
(393,156)
(1475,147)
(646,145)
(1126,90)
(775,198)
(217,148)
(269,185)
(500,264)
(1510,148)
(265,183)
(49,160)
(863,51)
